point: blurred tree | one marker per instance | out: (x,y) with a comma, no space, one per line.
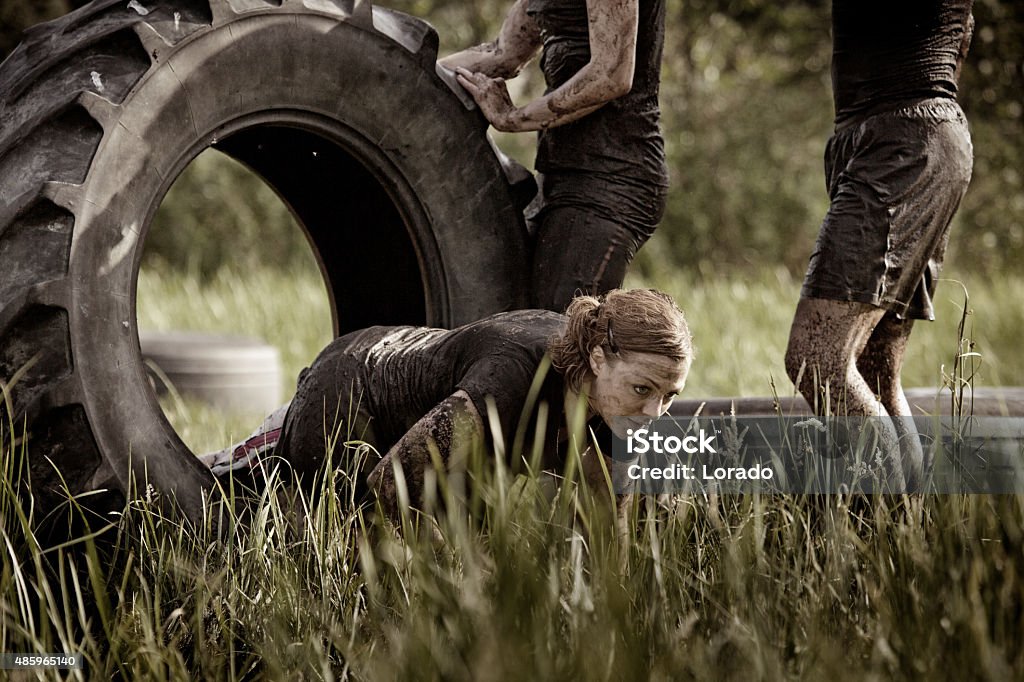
(219,213)
(990,234)
(747,107)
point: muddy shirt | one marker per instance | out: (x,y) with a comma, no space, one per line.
(621,140)
(886,54)
(405,371)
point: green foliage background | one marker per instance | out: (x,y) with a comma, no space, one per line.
(747,110)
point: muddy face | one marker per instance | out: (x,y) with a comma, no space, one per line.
(639,386)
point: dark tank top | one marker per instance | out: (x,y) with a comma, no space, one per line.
(623,138)
(889,53)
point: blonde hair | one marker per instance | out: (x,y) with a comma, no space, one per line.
(637,320)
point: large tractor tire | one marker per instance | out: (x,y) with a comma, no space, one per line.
(340,107)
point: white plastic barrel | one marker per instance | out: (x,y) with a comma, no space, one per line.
(233,373)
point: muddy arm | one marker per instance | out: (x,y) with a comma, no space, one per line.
(607,76)
(517,43)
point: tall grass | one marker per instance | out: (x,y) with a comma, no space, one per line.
(515,585)
(519,582)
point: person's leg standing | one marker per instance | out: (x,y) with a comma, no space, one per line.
(838,310)
(881,365)
(825,341)
(895,181)
(922,211)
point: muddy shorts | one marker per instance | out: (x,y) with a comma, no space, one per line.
(895,179)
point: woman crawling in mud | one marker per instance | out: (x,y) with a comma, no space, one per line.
(404,390)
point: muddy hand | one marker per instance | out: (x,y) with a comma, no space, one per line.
(491,96)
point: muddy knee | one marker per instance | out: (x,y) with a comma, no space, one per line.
(810,364)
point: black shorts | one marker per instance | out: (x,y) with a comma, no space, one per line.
(895,180)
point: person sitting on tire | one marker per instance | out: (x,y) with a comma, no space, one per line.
(601,155)
(406,390)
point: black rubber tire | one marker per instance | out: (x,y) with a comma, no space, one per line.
(339,106)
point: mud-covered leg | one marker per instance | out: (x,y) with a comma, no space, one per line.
(882,361)
(825,342)
(595,263)
(880,364)
(449,427)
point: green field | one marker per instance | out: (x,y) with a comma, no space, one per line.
(516,584)
(524,580)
